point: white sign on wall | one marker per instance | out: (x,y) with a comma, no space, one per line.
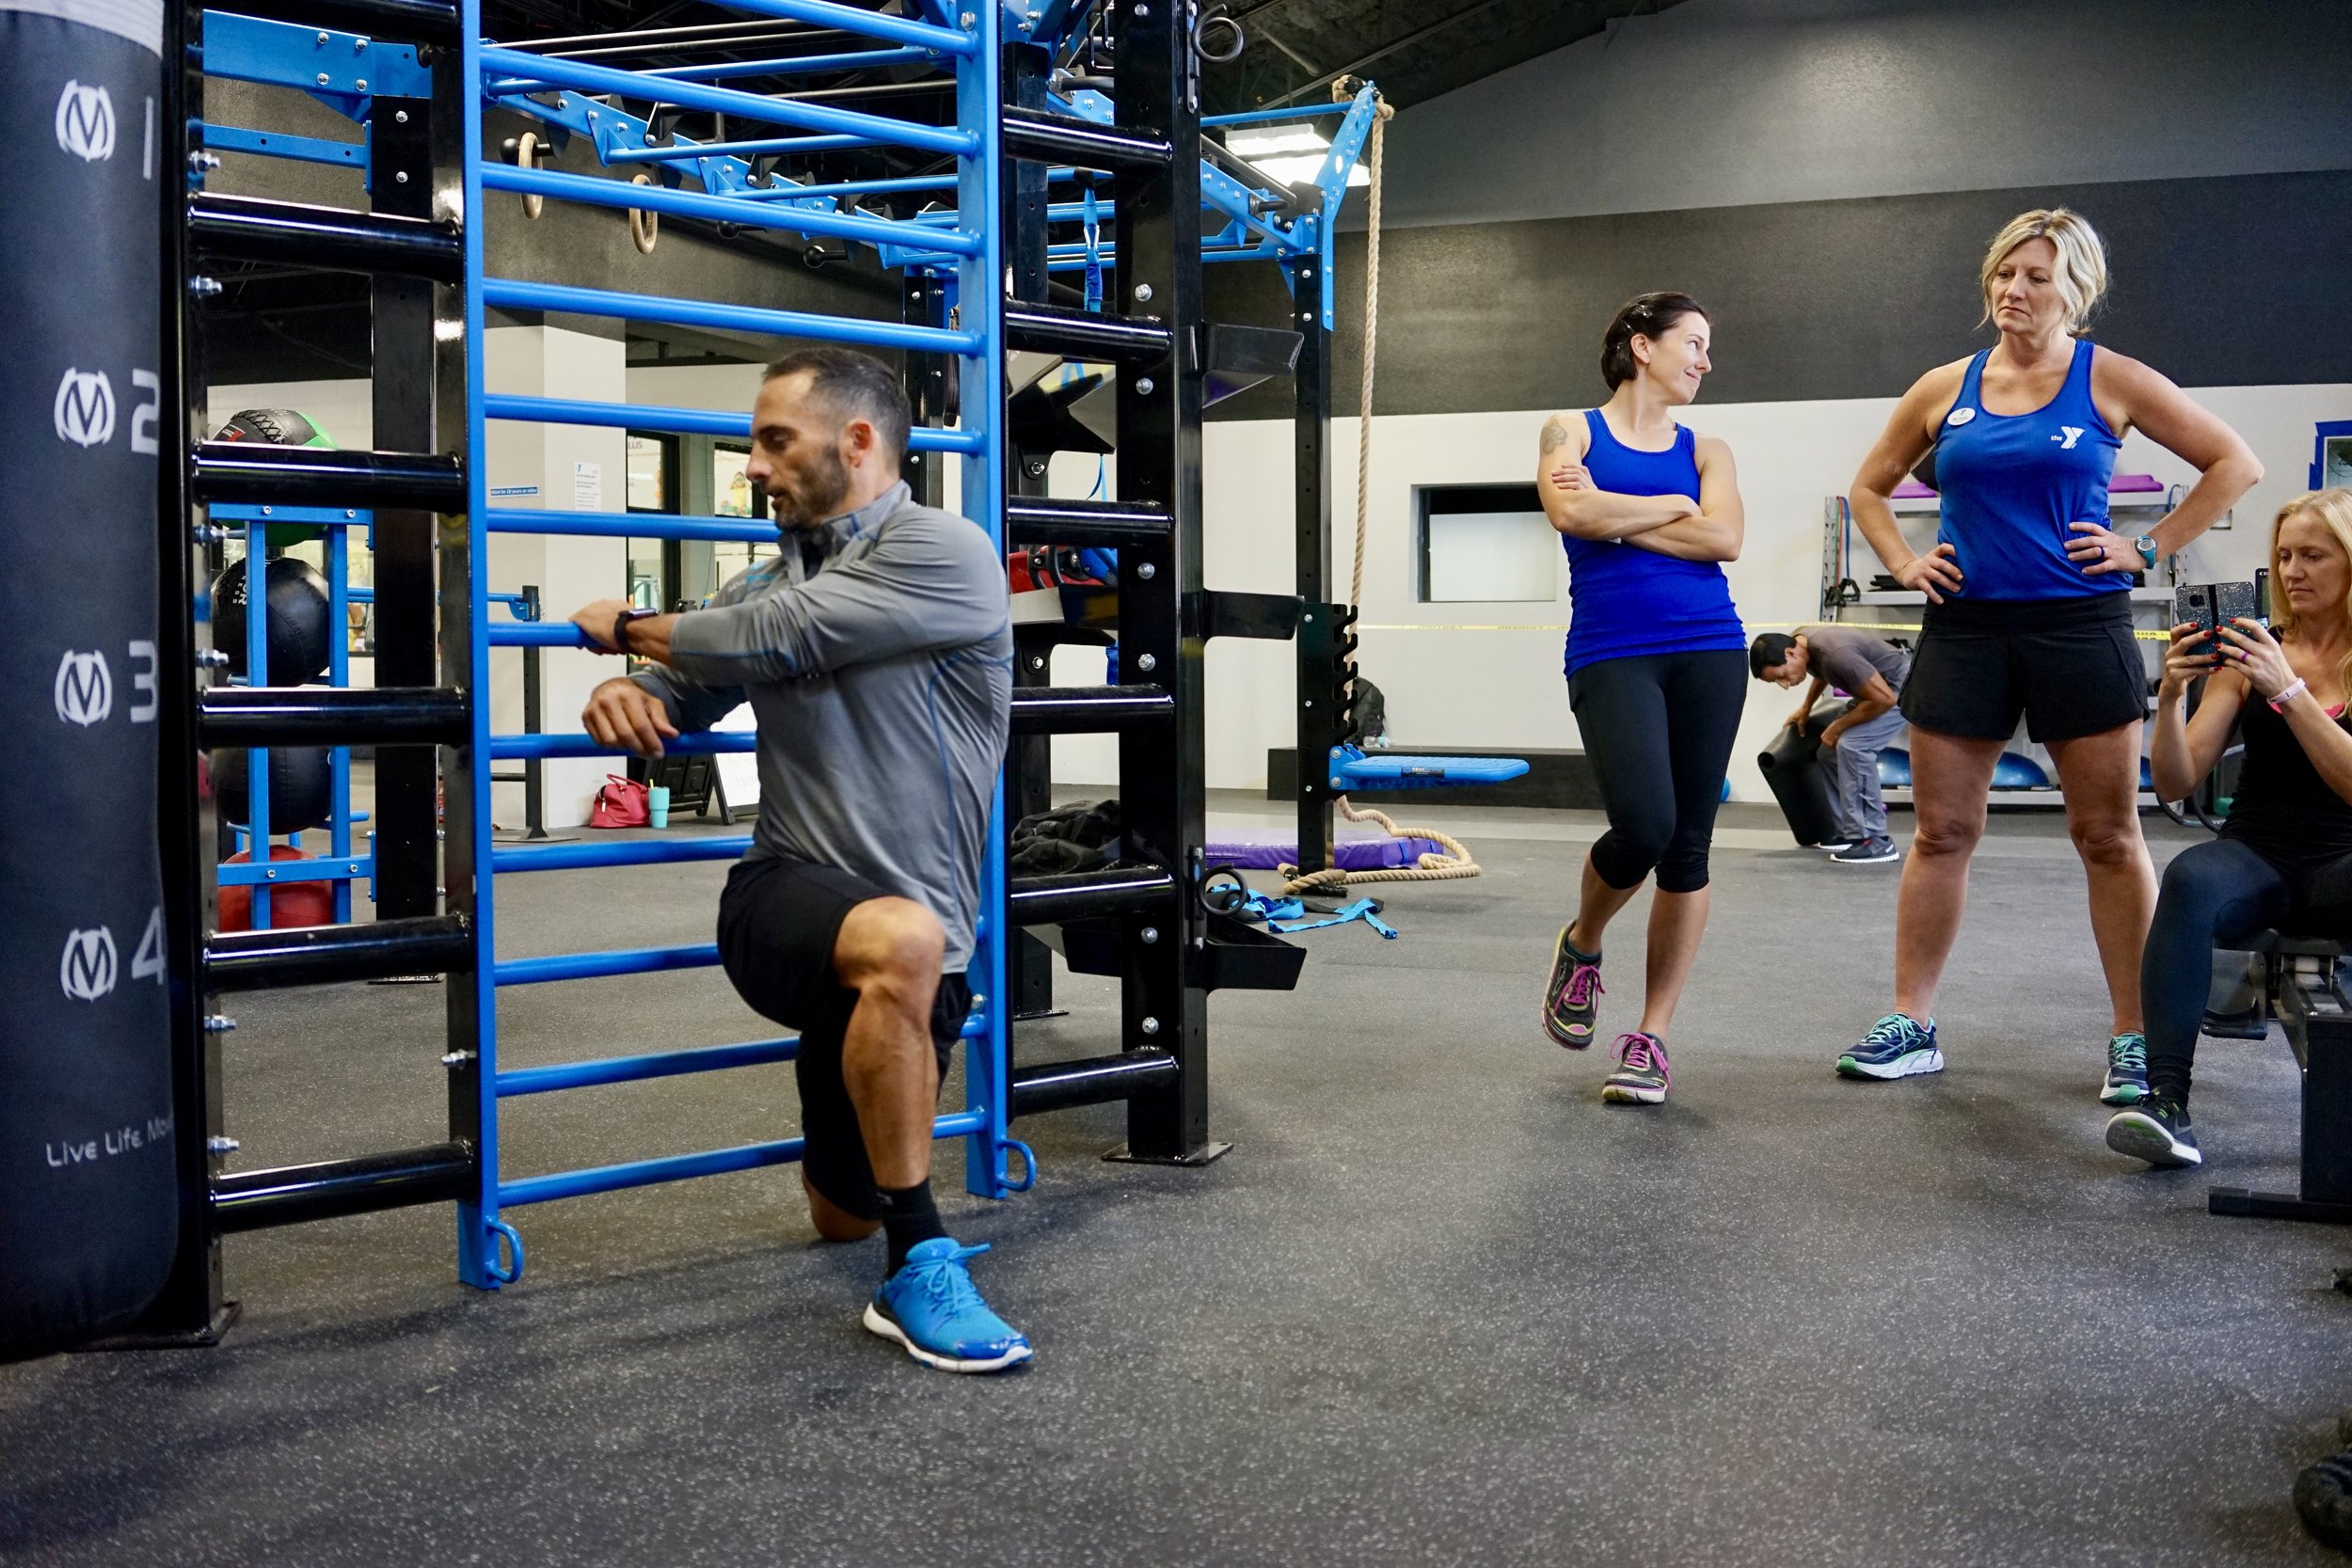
(587,486)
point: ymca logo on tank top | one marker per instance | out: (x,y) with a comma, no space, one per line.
(2012,485)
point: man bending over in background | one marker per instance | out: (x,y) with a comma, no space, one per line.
(1872,671)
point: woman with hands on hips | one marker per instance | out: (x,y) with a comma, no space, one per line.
(2028,613)
(1656,660)
(2284,857)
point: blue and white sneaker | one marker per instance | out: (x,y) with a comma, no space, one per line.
(2156,1131)
(2127,1069)
(1898,1046)
(930,1308)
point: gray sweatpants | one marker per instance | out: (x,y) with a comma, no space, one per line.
(1854,776)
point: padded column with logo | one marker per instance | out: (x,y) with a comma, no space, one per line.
(87,1199)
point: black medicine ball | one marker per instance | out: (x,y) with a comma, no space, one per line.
(301,787)
(296,615)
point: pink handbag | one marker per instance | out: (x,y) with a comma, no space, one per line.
(621,803)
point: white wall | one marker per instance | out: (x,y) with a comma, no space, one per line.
(1741,103)
(570,572)
(1503,688)
(730,388)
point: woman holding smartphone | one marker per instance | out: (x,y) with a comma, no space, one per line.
(2027,612)
(2284,857)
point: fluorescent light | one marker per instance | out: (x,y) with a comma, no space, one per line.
(1303,169)
(1291,138)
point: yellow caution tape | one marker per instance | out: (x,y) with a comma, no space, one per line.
(2144,636)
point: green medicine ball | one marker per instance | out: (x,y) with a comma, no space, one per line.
(278,427)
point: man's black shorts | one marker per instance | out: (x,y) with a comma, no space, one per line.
(778,920)
(2070,666)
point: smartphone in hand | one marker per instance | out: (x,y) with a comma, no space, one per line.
(2234,601)
(2193,605)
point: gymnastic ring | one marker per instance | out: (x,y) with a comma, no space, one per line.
(644,228)
(526,156)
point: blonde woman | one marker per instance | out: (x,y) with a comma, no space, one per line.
(2027,614)
(2284,857)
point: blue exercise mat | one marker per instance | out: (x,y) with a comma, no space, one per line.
(1399,770)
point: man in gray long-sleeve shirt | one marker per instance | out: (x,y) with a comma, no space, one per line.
(876,652)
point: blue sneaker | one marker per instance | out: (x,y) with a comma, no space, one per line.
(1896,1046)
(930,1308)
(2127,1070)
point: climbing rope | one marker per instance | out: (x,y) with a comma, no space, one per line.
(1454,859)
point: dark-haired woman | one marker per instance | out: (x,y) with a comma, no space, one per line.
(2284,858)
(2027,613)
(1656,664)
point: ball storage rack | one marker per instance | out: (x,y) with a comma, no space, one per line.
(417,77)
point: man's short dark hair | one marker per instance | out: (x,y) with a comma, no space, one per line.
(1770,651)
(855,387)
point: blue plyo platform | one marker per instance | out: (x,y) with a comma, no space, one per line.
(1352,767)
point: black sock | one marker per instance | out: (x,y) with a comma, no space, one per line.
(907,1216)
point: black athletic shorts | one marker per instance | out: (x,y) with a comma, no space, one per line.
(778,920)
(2070,666)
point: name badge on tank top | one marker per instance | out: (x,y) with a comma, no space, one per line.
(1960,416)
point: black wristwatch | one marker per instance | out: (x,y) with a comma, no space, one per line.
(620,624)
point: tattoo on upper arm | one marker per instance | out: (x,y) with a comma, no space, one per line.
(1555,435)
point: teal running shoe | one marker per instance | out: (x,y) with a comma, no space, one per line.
(1898,1046)
(930,1308)
(2127,1069)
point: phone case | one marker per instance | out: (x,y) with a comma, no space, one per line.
(2193,605)
(2234,601)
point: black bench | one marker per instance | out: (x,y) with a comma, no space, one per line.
(2299,982)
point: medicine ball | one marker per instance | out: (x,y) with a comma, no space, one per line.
(301,787)
(295,614)
(291,904)
(277,427)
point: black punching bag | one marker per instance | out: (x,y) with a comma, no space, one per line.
(1793,770)
(88,1214)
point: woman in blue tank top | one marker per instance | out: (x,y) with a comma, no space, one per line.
(1657,663)
(2028,613)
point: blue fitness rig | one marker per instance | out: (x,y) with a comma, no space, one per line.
(1144,213)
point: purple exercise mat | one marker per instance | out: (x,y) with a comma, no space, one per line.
(1247,851)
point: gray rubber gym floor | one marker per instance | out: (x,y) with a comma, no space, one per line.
(1439,1305)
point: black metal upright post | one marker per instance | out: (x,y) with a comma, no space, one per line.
(1029,758)
(1316,716)
(925,378)
(1160,402)
(193,1307)
(401,181)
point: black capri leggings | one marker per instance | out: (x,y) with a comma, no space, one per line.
(1658,730)
(2221,891)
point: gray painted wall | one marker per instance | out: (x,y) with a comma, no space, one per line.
(1739,102)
